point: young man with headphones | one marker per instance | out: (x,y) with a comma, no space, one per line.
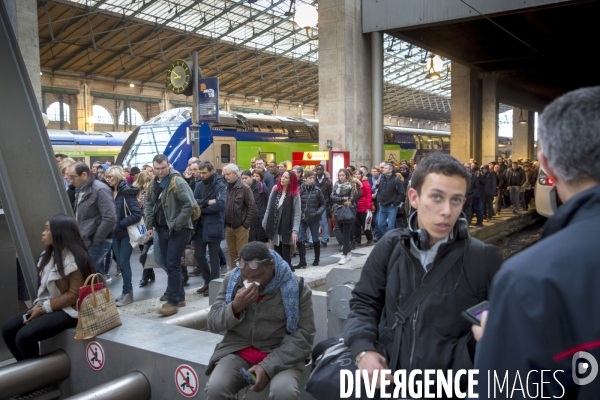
(406,307)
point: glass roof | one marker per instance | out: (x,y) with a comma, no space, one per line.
(268,26)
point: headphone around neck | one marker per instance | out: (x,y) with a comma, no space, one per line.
(421,237)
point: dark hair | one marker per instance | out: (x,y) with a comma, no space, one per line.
(205,164)
(159,159)
(308,173)
(260,172)
(61,156)
(351,167)
(437,164)
(65,235)
(81,167)
(255,251)
(298,168)
(320,166)
(246,173)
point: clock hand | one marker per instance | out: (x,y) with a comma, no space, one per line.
(176,76)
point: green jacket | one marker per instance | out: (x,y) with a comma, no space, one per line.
(178,201)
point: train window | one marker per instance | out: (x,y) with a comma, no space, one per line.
(225,156)
(437,143)
(270,128)
(256,128)
(426,142)
(268,157)
(417,142)
(446,141)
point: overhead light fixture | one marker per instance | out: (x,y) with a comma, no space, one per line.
(522,120)
(131,85)
(436,64)
(256,100)
(41,73)
(307,17)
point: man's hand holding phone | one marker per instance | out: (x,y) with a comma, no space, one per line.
(262,378)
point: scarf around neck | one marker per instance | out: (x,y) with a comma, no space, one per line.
(284,281)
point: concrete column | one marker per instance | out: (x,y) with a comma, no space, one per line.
(465,115)
(377,96)
(344,80)
(489,119)
(71,100)
(24,18)
(523,134)
(84,109)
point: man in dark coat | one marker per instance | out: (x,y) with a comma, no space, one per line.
(211,195)
(515,177)
(545,300)
(500,186)
(488,181)
(324,184)
(434,335)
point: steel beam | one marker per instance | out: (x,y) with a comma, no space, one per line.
(26,155)
(25,376)
(133,386)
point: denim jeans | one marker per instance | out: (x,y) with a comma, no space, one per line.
(314,230)
(172,247)
(98,253)
(386,214)
(208,272)
(324,225)
(123,250)
(515,196)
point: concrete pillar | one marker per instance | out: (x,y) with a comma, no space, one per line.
(489,119)
(523,134)
(85,102)
(24,18)
(344,80)
(465,114)
(71,100)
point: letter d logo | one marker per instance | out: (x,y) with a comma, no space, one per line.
(582,367)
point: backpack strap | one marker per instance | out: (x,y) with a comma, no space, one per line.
(476,277)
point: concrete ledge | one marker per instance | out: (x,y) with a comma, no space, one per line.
(504,225)
(152,348)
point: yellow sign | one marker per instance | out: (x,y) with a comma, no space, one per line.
(315,156)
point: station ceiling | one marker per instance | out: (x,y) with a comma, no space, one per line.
(545,51)
(254,47)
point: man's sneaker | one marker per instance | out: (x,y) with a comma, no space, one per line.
(118,270)
(203,289)
(108,278)
(224,269)
(370,242)
(168,309)
(324,244)
(181,303)
(125,299)
(348,256)
(195,272)
(342,261)
(164,297)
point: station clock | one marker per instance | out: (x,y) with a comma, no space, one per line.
(179,77)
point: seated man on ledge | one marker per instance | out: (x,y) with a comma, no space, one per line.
(269,327)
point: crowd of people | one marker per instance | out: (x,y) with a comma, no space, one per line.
(497,185)
(539,311)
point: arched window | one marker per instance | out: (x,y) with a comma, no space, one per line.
(102,115)
(135,118)
(53,112)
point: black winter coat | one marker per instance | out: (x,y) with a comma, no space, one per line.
(515,178)
(128,194)
(312,203)
(391,191)
(211,224)
(545,302)
(488,184)
(434,336)
(326,187)
(257,233)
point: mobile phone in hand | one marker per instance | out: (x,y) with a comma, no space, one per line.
(25,317)
(473,314)
(249,377)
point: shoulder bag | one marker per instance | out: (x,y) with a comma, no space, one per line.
(138,234)
(97,310)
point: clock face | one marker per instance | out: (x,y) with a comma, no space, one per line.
(179,76)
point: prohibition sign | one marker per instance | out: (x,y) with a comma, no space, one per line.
(186,380)
(94,353)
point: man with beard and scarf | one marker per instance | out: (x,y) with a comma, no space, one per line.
(211,195)
(266,313)
(545,299)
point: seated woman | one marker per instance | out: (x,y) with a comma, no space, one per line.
(62,269)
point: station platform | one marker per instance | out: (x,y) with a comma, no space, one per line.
(147,299)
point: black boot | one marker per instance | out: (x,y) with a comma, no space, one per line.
(151,275)
(317,245)
(186,276)
(145,277)
(302,251)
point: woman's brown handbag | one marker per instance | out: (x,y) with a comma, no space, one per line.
(98,312)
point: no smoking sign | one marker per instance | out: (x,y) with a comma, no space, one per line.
(94,353)
(186,380)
